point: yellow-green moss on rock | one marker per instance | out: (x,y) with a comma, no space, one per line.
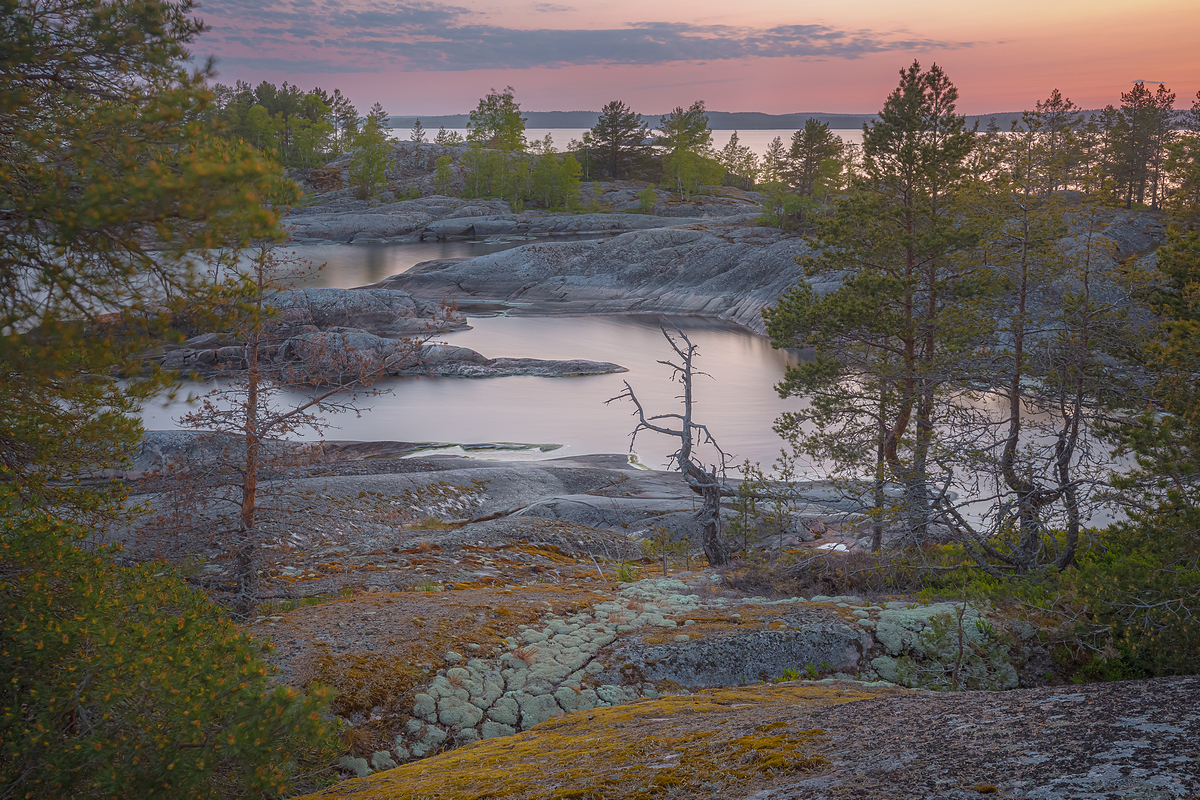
(713,741)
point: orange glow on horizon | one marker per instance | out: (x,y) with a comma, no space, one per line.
(1003,57)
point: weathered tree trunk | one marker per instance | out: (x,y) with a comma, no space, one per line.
(706,483)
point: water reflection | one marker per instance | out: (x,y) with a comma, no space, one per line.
(738,401)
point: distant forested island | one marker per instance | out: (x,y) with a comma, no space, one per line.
(717,120)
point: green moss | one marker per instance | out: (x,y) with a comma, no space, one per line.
(714,740)
(366,680)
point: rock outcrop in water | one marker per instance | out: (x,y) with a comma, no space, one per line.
(715,269)
(330,335)
(705,257)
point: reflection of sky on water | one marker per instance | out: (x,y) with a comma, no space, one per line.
(738,401)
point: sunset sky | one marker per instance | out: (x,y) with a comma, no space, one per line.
(776,56)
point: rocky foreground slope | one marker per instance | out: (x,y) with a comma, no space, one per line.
(836,741)
(493,630)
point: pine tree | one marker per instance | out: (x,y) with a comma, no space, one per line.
(1057,120)
(345,121)
(619,140)
(908,308)
(1144,583)
(774,161)
(372,154)
(118,682)
(1143,129)
(109,185)
(1191,120)
(740,163)
(811,146)
(124,681)
(418,132)
(1051,367)
(262,401)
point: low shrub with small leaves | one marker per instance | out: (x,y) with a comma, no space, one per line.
(125,682)
(1140,583)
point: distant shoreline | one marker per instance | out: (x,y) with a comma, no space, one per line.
(717,120)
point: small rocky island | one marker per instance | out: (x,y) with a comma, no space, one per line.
(336,334)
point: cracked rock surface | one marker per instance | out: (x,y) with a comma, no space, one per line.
(648,638)
(1133,739)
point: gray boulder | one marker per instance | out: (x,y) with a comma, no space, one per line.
(345,354)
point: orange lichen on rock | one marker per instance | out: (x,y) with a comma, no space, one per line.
(710,743)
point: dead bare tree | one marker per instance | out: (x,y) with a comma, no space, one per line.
(708,483)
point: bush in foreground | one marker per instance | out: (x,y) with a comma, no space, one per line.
(126,682)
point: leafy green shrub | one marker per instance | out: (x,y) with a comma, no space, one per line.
(647,198)
(125,681)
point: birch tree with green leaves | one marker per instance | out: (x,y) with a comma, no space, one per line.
(688,160)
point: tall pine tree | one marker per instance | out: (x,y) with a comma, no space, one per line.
(619,138)
(909,307)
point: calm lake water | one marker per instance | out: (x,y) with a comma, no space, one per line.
(738,401)
(758,141)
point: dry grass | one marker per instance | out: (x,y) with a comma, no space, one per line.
(527,654)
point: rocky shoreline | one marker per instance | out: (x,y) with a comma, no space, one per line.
(719,270)
(331,335)
(707,257)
